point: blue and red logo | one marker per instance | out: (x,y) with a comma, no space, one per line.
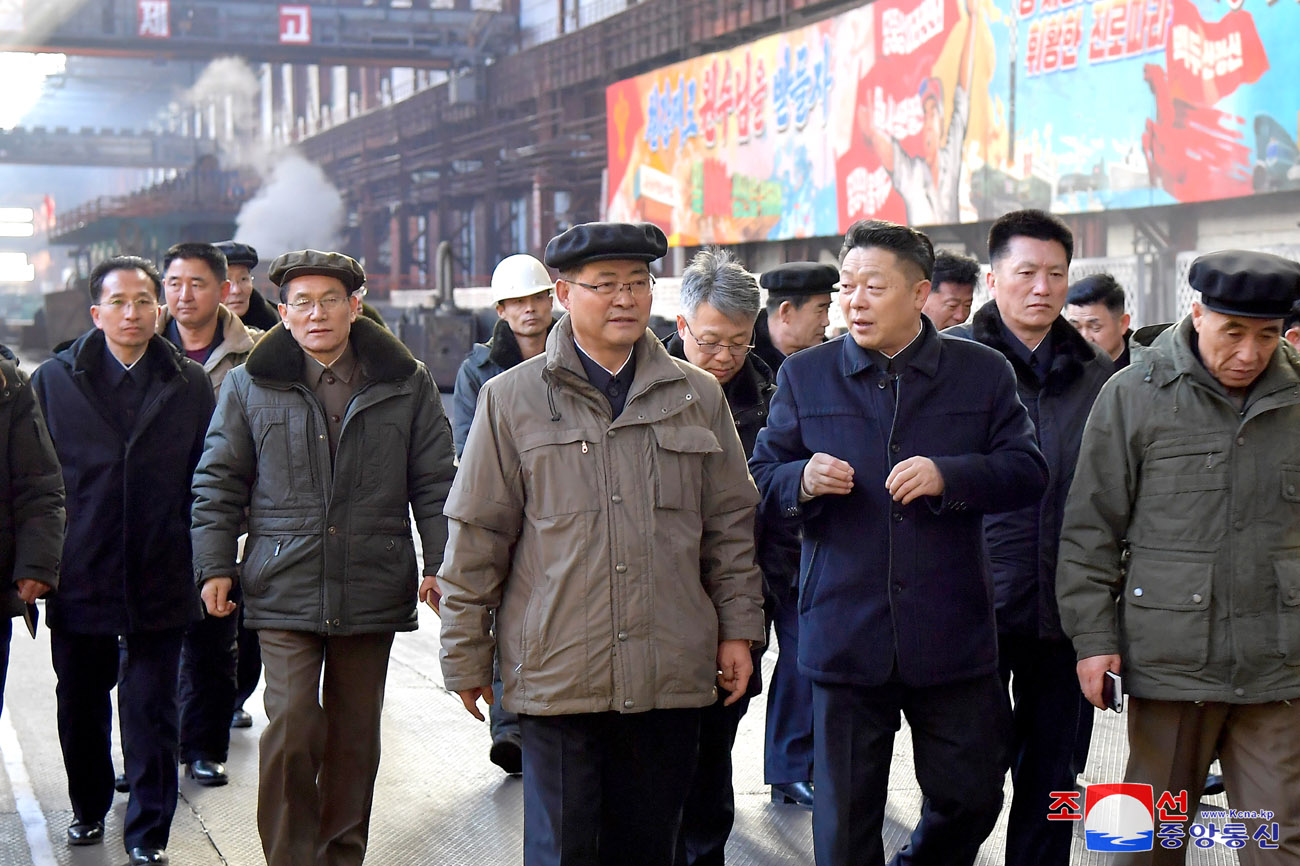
(1119,817)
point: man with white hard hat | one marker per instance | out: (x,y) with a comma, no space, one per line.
(521,290)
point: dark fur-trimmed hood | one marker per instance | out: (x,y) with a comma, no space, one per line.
(503,347)
(278,357)
(1071,353)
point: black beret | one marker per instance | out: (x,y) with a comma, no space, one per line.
(1243,283)
(591,242)
(800,278)
(237,253)
(301,263)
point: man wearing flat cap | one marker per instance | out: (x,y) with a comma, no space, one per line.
(243,299)
(1180,551)
(603,509)
(798,310)
(330,436)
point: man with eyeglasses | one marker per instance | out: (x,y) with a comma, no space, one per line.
(127,412)
(603,510)
(715,327)
(243,299)
(330,436)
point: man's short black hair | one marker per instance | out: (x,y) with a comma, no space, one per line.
(1098,289)
(208,253)
(122,263)
(912,247)
(1036,224)
(953,268)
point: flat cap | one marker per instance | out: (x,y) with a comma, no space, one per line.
(1244,283)
(301,263)
(237,253)
(591,242)
(800,278)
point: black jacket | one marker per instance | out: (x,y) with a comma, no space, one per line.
(31,490)
(484,361)
(126,555)
(1022,545)
(764,348)
(886,589)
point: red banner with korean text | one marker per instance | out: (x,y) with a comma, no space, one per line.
(1208,61)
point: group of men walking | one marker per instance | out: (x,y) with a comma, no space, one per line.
(967,528)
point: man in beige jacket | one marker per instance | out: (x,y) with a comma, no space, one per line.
(604,509)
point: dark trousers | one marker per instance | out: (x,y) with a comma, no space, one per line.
(606,788)
(87,667)
(711,804)
(6,631)
(248,659)
(959,734)
(207,688)
(788,748)
(1049,717)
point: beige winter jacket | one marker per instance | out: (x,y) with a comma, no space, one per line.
(237,340)
(617,554)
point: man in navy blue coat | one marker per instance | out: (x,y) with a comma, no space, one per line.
(888,447)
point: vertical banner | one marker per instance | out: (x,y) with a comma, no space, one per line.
(153,19)
(935,112)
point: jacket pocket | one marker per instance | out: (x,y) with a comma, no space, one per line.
(806,582)
(1167,610)
(1188,464)
(560,472)
(283,452)
(679,458)
(1288,595)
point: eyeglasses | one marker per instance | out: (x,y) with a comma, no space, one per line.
(715,348)
(306,305)
(119,305)
(638,288)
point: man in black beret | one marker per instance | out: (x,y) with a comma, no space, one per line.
(1180,559)
(330,438)
(603,509)
(798,310)
(244,300)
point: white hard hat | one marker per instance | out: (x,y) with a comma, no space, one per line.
(518,277)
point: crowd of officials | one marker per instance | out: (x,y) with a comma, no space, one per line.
(967,521)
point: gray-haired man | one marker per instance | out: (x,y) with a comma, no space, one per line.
(715,330)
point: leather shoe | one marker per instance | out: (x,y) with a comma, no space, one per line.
(793,794)
(147,856)
(209,774)
(86,833)
(120,784)
(507,755)
(241,719)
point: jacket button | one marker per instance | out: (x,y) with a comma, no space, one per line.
(1137,591)
(898,587)
(610,434)
(1239,525)
(629,703)
(895,448)
(622,635)
(1196,597)
(792,512)
(621,567)
(1241,693)
(336,622)
(898,517)
(1290,490)
(333,530)
(616,499)
(1241,440)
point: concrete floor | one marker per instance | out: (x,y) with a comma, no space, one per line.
(438,799)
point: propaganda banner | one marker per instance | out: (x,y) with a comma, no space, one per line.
(935,112)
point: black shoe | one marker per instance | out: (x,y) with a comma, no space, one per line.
(86,833)
(241,719)
(1213,784)
(209,774)
(793,794)
(120,784)
(147,856)
(507,755)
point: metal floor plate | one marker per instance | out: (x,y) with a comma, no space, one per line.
(438,800)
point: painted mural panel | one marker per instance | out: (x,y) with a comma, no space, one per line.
(941,111)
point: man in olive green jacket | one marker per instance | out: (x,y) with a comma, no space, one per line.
(604,509)
(1190,464)
(330,435)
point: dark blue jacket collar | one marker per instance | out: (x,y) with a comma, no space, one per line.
(854,359)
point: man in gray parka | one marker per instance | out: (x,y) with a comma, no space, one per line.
(1190,467)
(330,435)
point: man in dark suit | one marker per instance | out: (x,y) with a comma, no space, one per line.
(888,446)
(127,412)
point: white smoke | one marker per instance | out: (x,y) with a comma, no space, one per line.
(296,208)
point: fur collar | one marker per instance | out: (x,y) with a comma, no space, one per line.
(751,387)
(1071,353)
(503,348)
(84,354)
(278,357)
